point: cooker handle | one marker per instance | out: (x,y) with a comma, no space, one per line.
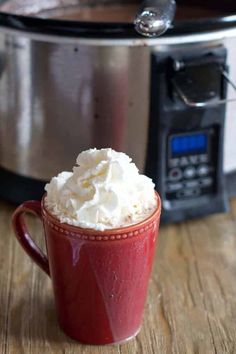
(205,104)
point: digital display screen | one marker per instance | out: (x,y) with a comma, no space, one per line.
(189,144)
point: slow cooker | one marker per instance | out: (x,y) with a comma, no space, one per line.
(76,74)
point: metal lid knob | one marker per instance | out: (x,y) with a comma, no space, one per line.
(155,17)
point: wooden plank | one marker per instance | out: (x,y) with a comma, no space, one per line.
(6,275)
(191,306)
(214,244)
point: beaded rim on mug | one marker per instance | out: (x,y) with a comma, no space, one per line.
(121,233)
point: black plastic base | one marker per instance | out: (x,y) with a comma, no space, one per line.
(17,189)
(231,184)
(220,206)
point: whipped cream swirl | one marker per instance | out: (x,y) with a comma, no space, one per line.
(104,191)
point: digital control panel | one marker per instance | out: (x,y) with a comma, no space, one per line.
(188,144)
(185,152)
(190,171)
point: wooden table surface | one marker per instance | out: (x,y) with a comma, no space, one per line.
(191,306)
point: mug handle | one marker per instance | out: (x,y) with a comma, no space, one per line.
(23,235)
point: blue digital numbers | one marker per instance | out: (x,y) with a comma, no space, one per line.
(189,144)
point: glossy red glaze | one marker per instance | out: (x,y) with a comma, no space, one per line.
(100,279)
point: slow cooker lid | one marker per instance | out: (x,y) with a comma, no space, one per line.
(51,17)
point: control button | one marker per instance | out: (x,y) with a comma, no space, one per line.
(184,161)
(206,182)
(190,172)
(204,158)
(203,170)
(188,193)
(175,174)
(192,184)
(173,187)
(174,163)
(194,159)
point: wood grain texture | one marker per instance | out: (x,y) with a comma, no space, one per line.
(191,306)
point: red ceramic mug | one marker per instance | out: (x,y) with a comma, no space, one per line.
(100,279)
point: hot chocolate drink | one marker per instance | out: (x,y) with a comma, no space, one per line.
(104,191)
(101,224)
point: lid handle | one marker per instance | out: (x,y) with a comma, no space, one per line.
(155,17)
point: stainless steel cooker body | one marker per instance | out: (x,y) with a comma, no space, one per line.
(61,95)
(58,99)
